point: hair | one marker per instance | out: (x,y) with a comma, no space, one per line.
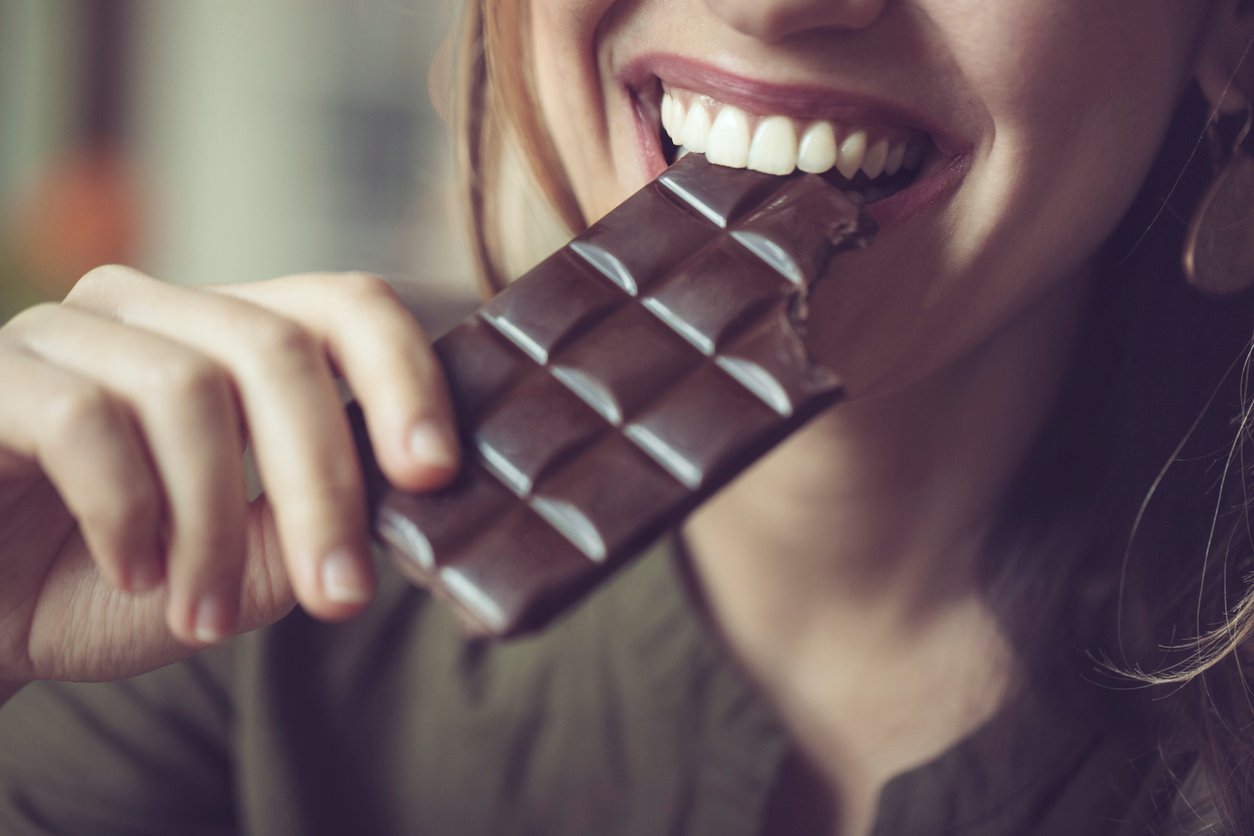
(1124,551)
(507,156)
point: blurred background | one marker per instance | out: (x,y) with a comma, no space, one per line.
(226,140)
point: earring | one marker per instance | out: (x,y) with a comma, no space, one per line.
(1219,251)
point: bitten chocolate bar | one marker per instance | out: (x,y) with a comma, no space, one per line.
(606,393)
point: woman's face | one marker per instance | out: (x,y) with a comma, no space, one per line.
(1036,120)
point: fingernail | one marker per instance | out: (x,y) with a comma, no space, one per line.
(213,618)
(344,579)
(431,445)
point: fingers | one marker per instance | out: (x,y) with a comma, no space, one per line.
(141,394)
(299,435)
(82,438)
(388,361)
(276,339)
(186,407)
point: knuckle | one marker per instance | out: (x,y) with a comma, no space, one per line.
(367,287)
(282,340)
(79,405)
(191,378)
(101,279)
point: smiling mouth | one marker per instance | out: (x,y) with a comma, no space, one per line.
(873,161)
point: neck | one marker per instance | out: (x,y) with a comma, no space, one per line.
(857,541)
(882,504)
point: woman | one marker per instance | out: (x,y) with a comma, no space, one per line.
(891,624)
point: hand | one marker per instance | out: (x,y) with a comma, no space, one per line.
(126,538)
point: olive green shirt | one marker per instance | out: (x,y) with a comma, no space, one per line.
(624,718)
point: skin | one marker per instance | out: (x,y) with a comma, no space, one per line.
(872,636)
(121,502)
(126,538)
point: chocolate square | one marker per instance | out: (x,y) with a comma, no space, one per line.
(707,319)
(631,359)
(533,431)
(605,516)
(699,429)
(566,299)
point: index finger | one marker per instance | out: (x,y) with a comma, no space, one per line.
(387,361)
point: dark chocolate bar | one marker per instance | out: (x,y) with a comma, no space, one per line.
(606,393)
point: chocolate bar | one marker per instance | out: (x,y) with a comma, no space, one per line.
(606,393)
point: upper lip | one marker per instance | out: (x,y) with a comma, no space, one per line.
(800,101)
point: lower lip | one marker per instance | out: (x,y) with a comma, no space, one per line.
(938,181)
(935,185)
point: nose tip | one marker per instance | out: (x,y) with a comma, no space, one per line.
(775,20)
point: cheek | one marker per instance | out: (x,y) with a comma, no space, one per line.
(1077,90)
(568,86)
(562,56)
(1079,95)
(1076,107)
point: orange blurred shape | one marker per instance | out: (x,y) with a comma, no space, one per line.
(82,211)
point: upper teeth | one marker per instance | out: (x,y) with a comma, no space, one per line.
(730,136)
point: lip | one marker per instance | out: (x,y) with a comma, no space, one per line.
(799,101)
(643,76)
(935,184)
